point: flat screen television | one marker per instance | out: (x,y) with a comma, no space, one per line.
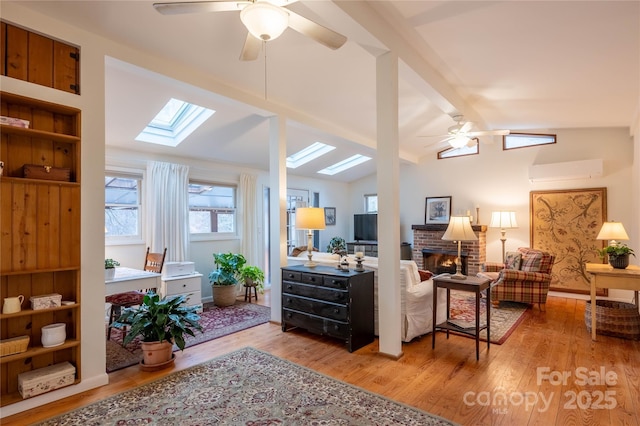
(365,227)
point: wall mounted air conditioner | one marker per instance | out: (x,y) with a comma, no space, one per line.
(585,169)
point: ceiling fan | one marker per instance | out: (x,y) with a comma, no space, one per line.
(265,20)
(461,135)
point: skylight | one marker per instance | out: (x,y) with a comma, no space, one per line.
(345,164)
(175,121)
(311,152)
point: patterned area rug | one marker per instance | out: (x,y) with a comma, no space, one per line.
(216,321)
(504,319)
(247,387)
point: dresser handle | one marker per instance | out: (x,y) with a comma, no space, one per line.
(336,310)
(290,275)
(289,300)
(289,314)
(184,285)
(336,327)
(289,286)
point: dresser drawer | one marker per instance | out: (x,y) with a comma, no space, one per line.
(179,285)
(316,324)
(316,307)
(322,293)
(291,276)
(331,282)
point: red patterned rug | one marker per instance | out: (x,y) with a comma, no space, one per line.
(504,319)
(215,321)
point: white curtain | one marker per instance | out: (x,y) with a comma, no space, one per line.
(249,214)
(167,193)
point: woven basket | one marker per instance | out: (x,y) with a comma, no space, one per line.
(15,345)
(616,319)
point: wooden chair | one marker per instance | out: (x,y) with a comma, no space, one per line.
(153,262)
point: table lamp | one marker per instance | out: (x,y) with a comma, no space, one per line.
(612,231)
(310,218)
(503,220)
(459,230)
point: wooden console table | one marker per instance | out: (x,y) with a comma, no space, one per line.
(605,276)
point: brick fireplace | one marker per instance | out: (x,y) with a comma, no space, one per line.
(430,237)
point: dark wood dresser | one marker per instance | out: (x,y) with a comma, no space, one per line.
(325,300)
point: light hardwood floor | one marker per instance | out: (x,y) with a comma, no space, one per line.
(448,381)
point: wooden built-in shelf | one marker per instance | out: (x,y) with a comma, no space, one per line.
(40,134)
(27,312)
(39,350)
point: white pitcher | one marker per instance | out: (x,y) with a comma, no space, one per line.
(12,304)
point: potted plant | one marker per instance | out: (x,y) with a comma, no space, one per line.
(618,255)
(110,269)
(160,323)
(225,277)
(252,277)
(337,245)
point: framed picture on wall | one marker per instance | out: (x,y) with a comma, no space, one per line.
(437,210)
(329,216)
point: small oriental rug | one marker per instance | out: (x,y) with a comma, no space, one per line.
(216,322)
(504,319)
(247,387)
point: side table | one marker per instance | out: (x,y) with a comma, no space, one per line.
(472,284)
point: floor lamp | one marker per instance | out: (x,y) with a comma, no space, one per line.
(459,230)
(310,218)
(503,220)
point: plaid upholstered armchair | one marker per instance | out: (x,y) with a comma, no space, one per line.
(524,277)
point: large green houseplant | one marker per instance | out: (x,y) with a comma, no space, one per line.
(225,277)
(160,323)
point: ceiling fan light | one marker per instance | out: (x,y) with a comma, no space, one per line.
(459,141)
(265,21)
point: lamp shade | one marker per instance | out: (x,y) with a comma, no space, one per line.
(612,231)
(310,218)
(503,220)
(265,21)
(459,229)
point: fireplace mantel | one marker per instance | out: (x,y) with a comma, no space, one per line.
(431,227)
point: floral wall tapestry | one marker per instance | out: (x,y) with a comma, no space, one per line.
(565,223)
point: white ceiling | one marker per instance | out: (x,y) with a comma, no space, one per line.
(516,65)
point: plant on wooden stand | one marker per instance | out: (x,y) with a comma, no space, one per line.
(252,277)
(161,323)
(224,278)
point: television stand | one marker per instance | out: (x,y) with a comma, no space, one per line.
(371,249)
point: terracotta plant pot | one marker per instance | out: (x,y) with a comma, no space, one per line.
(224,295)
(157,353)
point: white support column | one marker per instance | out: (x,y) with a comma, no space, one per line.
(278,213)
(388,168)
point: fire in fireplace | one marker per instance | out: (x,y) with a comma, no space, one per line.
(440,262)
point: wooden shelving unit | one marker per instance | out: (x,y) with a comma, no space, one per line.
(39,234)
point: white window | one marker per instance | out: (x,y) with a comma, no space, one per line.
(371,203)
(523,140)
(212,208)
(122,209)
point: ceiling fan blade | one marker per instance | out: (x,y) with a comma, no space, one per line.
(488,133)
(178,8)
(251,48)
(465,127)
(322,35)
